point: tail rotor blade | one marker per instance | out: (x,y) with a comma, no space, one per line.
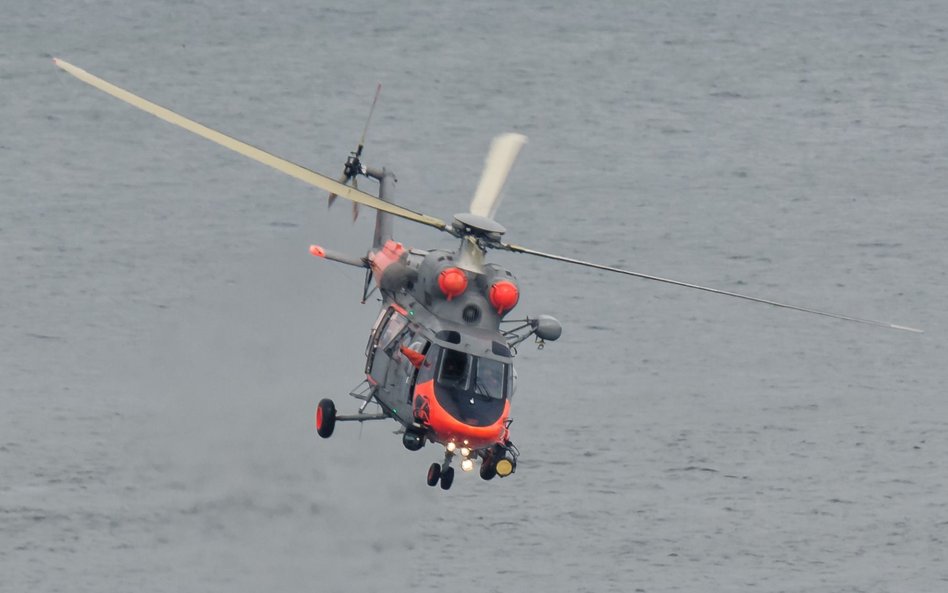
(355,205)
(378,90)
(503,152)
(520,249)
(332,196)
(353,164)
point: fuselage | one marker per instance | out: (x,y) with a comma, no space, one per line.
(436,357)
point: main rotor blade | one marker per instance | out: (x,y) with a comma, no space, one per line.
(520,249)
(503,152)
(280,164)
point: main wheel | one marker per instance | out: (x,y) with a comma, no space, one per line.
(325,418)
(447,478)
(434,474)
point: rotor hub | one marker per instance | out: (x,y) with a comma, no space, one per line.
(467,224)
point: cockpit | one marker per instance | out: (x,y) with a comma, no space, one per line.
(482,377)
(473,389)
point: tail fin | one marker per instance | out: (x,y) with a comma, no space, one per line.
(383,220)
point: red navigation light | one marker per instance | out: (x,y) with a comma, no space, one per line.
(504,296)
(317,251)
(452,282)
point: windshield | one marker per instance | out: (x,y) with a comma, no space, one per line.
(489,378)
(473,390)
(470,374)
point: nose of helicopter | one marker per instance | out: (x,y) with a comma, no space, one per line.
(460,422)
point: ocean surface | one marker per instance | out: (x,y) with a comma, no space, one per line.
(165,335)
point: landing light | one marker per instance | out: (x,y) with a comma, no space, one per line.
(451,447)
(504,468)
(465,452)
(467,465)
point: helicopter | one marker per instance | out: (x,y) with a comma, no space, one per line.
(439,359)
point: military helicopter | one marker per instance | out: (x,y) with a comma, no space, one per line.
(439,358)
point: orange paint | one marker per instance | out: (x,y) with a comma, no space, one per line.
(452,282)
(504,296)
(445,427)
(415,358)
(384,257)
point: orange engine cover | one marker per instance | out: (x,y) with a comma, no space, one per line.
(504,296)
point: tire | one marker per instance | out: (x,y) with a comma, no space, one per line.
(447,478)
(325,418)
(434,474)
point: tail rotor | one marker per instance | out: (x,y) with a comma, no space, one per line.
(354,167)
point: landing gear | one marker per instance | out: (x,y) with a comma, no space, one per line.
(434,474)
(447,478)
(438,474)
(325,418)
(442,472)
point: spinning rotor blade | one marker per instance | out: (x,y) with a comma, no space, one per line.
(282,165)
(378,90)
(332,196)
(503,152)
(353,166)
(520,249)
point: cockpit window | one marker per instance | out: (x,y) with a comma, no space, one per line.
(479,376)
(489,379)
(455,368)
(470,388)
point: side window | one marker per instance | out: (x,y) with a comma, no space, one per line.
(392,323)
(393,349)
(383,314)
(430,364)
(395,324)
(409,350)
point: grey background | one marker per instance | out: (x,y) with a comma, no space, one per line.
(165,336)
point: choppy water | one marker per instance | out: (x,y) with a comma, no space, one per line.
(165,336)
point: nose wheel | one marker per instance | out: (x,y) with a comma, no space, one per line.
(434,474)
(442,472)
(447,478)
(444,475)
